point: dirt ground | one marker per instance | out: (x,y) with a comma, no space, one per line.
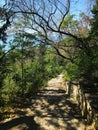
(51,109)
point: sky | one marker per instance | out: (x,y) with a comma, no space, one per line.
(79,6)
(2,2)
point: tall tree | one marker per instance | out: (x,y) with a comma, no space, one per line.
(94,27)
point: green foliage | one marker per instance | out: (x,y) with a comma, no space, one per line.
(71,72)
(9,91)
(85,60)
(53,64)
(85,67)
(70,24)
(94,27)
(67,21)
(34,78)
(27,68)
(21,22)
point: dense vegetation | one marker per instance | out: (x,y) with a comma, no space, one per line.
(31,59)
(26,69)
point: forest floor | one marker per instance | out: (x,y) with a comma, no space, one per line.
(50,109)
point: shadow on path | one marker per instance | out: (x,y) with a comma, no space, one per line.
(21,123)
(54,110)
(51,109)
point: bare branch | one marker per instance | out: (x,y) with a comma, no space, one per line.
(46,17)
(64,15)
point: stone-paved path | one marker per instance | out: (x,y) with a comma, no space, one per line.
(51,109)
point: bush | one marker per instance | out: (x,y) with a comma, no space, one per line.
(9,91)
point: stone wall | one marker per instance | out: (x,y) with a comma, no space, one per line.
(84,98)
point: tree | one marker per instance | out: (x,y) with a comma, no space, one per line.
(5,21)
(41,17)
(94,27)
(51,23)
